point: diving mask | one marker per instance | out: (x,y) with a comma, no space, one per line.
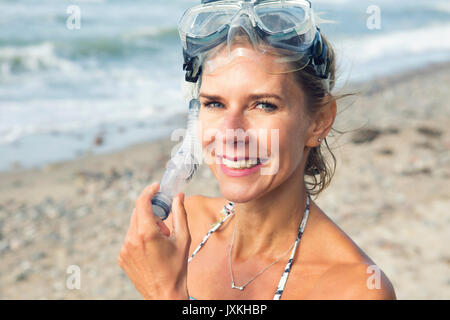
(284,28)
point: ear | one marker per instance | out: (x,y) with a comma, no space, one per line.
(321,123)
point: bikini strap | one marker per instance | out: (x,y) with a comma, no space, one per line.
(287,269)
(227,211)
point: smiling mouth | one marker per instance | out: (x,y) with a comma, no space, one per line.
(242,163)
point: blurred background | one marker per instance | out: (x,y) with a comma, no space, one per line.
(86,116)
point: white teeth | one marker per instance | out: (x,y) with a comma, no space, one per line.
(241,164)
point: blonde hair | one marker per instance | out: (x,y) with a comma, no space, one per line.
(319,170)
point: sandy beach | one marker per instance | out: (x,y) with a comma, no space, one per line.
(390,194)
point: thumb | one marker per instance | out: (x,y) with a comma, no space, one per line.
(179,220)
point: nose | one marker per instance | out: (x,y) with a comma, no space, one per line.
(233,129)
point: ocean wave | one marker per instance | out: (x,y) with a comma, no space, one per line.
(153,33)
(443,6)
(94,47)
(150,40)
(418,41)
(66,115)
(32,58)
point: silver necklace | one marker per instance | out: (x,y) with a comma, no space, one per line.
(233,285)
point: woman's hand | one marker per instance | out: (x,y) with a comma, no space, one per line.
(154,259)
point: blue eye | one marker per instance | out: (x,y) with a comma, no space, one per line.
(211,105)
(267,107)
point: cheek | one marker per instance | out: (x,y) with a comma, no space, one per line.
(203,127)
(291,141)
(205,135)
(288,148)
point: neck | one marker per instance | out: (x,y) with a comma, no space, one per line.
(267,226)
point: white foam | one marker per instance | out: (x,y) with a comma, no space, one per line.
(416,41)
(367,57)
(443,6)
(136,97)
(150,32)
(33,58)
(330,2)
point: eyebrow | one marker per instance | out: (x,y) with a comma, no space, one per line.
(250,97)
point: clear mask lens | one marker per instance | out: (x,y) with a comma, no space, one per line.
(276,21)
(278,18)
(209,22)
(269,59)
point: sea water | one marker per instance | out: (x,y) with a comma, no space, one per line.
(115,80)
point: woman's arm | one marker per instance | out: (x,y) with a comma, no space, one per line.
(154,258)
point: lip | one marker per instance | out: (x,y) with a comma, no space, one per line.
(238,172)
(237,158)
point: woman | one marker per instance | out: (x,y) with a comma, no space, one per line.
(273,241)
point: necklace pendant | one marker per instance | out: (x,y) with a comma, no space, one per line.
(236,287)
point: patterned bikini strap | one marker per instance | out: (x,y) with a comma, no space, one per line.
(287,269)
(227,211)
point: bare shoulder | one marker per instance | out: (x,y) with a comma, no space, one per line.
(347,271)
(353,282)
(201,212)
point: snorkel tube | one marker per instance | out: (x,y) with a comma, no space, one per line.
(182,166)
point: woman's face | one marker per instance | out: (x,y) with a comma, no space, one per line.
(268,109)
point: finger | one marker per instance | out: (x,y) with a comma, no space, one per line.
(132,229)
(162,226)
(146,221)
(179,220)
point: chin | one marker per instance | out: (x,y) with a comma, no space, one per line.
(241,189)
(237,195)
